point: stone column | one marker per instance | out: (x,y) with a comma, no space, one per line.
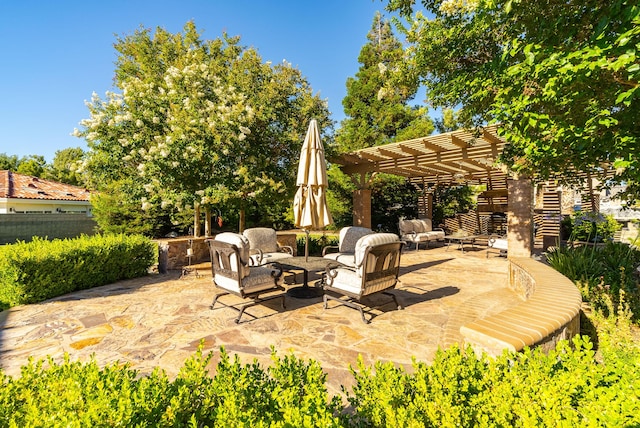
(520,217)
(362,208)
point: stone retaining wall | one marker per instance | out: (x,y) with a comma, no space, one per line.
(172,252)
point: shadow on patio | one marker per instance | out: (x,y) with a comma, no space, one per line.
(161,320)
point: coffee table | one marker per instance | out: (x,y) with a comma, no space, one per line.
(310,264)
(461,240)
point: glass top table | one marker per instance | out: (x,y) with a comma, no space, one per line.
(310,264)
(460,240)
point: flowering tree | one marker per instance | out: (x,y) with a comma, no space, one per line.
(198,122)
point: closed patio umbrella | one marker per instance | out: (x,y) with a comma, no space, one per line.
(310,202)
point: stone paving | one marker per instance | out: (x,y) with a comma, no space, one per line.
(159,320)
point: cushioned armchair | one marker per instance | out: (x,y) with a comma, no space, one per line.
(264,247)
(377,264)
(345,251)
(232,273)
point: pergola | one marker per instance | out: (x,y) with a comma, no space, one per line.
(452,158)
(449,158)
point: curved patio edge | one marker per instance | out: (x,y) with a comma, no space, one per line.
(549,313)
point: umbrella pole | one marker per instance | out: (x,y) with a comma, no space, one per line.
(306,246)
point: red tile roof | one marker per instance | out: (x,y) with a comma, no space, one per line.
(19,186)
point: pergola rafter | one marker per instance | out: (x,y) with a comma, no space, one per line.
(438,158)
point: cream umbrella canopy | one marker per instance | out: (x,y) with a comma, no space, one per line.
(310,208)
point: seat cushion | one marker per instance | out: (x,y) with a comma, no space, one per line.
(259,279)
(349,237)
(348,259)
(347,280)
(269,258)
(500,244)
(262,238)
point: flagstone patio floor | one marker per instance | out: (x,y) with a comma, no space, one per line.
(159,320)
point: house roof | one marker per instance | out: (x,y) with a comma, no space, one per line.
(19,186)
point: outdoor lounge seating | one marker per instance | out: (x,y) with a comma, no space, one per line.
(232,273)
(417,231)
(264,247)
(377,264)
(497,243)
(346,248)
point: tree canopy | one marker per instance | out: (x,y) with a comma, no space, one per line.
(199,121)
(376,113)
(561,76)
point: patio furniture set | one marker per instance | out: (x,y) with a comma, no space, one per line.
(251,266)
(419,231)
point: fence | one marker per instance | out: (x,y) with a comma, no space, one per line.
(24,227)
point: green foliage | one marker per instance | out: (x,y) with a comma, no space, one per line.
(591,226)
(392,197)
(9,162)
(289,393)
(375,113)
(34,271)
(448,201)
(65,166)
(33,165)
(567,387)
(117,209)
(339,197)
(562,77)
(602,273)
(199,122)
(316,243)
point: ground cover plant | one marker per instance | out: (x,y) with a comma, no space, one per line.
(31,272)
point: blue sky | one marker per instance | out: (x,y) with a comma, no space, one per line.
(56,53)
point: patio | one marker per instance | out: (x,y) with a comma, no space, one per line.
(159,320)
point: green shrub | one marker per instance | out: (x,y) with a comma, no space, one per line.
(38,270)
(571,386)
(597,271)
(591,226)
(290,393)
(316,243)
(567,387)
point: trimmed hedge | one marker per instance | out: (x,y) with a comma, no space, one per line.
(316,243)
(289,393)
(38,270)
(568,387)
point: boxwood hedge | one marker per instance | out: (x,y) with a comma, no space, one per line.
(34,271)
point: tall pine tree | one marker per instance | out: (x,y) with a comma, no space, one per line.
(375,114)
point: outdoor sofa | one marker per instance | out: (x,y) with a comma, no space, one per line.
(418,231)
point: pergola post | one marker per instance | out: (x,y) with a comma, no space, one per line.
(362,199)
(520,217)
(362,208)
